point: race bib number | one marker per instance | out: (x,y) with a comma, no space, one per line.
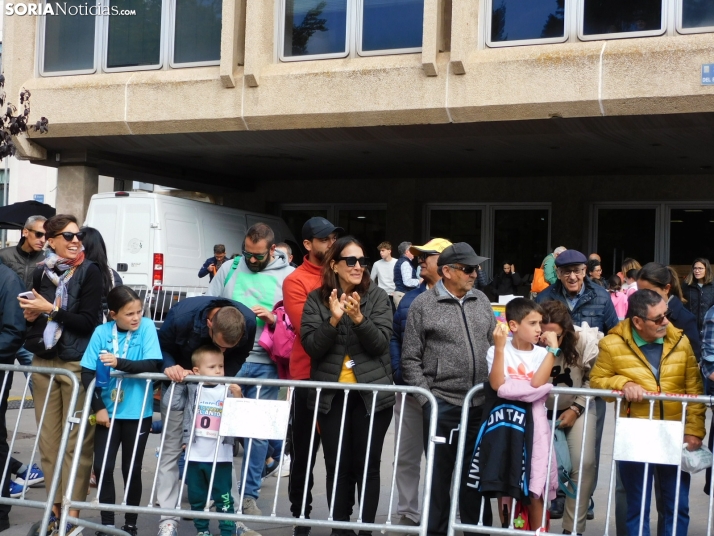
(208,419)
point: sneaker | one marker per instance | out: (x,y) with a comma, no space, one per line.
(557,506)
(167,528)
(206,533)
(15,489)
(73,530)
(130,529)
(591,510)
(285,471)
(242,530)
(271,469)
(33,475)
(301,531)
(52,527)
(249,508)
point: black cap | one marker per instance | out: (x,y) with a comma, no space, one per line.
(570,256)
(460,253)
(318,227)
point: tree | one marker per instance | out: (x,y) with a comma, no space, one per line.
(14,123)
(309,25)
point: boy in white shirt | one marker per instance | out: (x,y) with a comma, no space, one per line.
(383,269)
(522,359)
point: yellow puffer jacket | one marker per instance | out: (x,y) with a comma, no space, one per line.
(621,361)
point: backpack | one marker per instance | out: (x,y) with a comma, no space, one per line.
(278,340)
(565,466)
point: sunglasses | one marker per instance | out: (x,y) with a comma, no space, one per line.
(352,261)
(424,256)
(256,256)
(659,319)
(468,270)
(70,236)
(38,234)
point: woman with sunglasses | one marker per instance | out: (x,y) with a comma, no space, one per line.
(66,307)
(579,350)
(698,290)
(346,328)
(665,282)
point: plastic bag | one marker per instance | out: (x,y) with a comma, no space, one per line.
(694,461)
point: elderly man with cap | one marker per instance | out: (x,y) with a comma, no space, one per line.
(408,409)
(449,330)
(318,234)
(586,301)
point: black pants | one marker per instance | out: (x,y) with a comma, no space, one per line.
(4,447)
(449,417)
(302,431)
(353,453)
(124,434)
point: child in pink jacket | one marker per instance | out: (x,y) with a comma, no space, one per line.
(618,297)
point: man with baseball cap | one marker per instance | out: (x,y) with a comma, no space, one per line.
(409,409)
(318,235)
(448,332)
(586,301)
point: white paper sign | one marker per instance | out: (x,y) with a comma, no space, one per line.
(259,419)
(642,440)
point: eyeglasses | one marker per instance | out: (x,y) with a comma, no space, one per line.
(659,319)
(256,256)
(697,269)
(70,236)
(424,256)
(41,234)
(352,261)
(468,270)
(572,271)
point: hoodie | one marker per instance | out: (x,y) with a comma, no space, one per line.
(237,282)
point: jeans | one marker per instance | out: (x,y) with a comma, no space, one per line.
(448,421)
(259,448)
(632,474)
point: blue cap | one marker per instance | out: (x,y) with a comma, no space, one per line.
(570,256)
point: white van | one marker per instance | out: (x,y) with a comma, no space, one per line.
(158,240)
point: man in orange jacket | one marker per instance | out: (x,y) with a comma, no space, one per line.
(318,235)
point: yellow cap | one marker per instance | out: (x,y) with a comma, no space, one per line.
(435,245)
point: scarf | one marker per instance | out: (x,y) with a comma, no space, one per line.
(67,267)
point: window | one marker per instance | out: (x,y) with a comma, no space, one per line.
(695,16)
(68,42)
(134,35)
(134,40)
(322,29)
(519,22)
(691,235)
(459,225)
(616,242)
(368,225)
(618,18)
(520,237)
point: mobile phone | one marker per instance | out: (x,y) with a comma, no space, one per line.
(29,295)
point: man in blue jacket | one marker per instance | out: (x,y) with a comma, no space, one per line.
(586,301)
(191,323)
(411,440)
(12,333)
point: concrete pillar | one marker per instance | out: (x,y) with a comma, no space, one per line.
(75,187)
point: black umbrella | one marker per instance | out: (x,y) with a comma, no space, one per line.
(14,216)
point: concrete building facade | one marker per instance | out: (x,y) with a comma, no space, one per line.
(519,126)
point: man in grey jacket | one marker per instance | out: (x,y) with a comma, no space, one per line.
(449,330)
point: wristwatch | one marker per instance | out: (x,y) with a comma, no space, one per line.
(555,351)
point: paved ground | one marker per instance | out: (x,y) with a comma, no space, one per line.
(22,518)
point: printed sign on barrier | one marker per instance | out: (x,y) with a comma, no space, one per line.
(259,419)
(642,440)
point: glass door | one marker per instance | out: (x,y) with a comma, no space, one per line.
(625,232)
(457,225)
(521,237)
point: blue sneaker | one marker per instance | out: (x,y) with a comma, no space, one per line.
(15,490)
(33,475)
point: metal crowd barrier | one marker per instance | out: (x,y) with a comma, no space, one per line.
(272,517)
(159,300)
(72,419)
(590,395)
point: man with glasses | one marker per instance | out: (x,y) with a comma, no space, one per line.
(586,301)
(409,410)
(647,354)
(190,324)
(255,279)
(23,257)
(448,332)
(318,235)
